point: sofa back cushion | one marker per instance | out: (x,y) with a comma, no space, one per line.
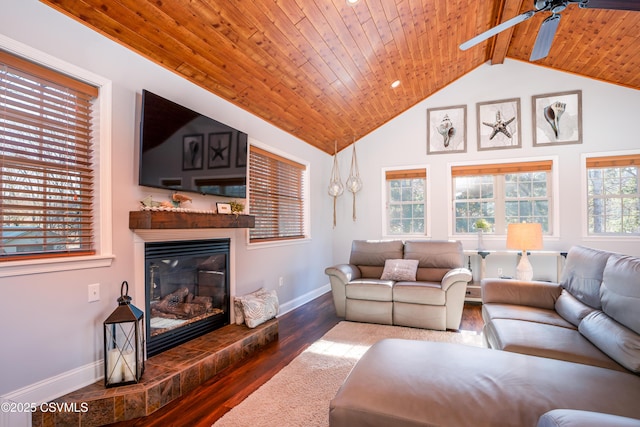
(615,340)
(582,274)
(435,257)
(620,290)
(369,255)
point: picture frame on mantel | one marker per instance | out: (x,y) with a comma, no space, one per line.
(557,118)
(499,124)
(223,208)
(447,130)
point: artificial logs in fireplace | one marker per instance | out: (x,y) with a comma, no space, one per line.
(187,291)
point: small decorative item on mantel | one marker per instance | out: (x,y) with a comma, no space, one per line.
(123,342)
(236,208)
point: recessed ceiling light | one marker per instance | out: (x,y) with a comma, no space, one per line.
(352,2)
(395,84)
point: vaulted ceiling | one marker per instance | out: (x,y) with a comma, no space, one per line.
(322,70)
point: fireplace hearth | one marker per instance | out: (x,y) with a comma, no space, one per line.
(187,291)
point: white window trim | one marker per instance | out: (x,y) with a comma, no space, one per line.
(555,191)
(584,198)
(306,198)
(427,207)
(104,237)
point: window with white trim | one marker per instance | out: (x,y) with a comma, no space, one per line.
(613,195)
(406,202)
(501,194)
(276,197)
(46,162)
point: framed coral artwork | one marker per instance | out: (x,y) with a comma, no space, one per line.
(557,118)
(447,130)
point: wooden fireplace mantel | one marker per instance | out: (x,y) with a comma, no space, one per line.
(146,220)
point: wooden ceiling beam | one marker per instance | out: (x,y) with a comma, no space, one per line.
(510,8)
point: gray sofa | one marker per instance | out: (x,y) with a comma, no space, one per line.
(592,317)
(432,297)
(562,354)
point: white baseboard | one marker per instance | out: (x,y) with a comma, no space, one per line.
(303,299)
(47,390)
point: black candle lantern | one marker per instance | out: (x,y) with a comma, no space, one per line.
(123,342)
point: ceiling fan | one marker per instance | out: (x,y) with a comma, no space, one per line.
(549,26)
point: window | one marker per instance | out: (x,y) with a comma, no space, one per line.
(46,162)
(276,197)
(406,190)
(613,195)
(502,194)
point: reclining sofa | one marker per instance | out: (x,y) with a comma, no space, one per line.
(561,355)
(420,284)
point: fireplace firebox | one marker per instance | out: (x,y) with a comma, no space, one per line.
(187,291)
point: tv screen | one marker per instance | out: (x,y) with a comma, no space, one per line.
(186,151)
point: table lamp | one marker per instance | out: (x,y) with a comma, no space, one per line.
(524,237)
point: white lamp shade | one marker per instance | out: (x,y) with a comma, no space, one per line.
(524,236)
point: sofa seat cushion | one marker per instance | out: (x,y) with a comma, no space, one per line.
(539,339)
(370,289)
(523,312)
(419,293)
(405,383)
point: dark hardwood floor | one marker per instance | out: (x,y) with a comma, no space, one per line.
(297,330)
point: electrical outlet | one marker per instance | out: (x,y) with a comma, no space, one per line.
(93,292)
(281,282)
(499,272)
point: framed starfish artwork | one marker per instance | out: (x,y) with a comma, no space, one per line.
(219,150)
(192,149)
(557,118)
(499,124)
(447,130)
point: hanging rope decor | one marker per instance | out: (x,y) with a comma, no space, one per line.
(354,183)
(335,186)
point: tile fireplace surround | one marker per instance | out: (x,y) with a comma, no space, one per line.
(167,376)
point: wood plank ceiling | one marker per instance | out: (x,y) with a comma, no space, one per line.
(321,69)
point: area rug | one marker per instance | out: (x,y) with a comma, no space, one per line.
(299,394)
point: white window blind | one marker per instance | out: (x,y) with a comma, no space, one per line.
(276,197)
(46,162)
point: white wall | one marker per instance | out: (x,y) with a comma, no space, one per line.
(610,123)
(48,327)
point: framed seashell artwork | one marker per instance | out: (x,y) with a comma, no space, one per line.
(499,124)
(557,118)
(447,130)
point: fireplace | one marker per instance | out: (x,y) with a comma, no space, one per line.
(186,291)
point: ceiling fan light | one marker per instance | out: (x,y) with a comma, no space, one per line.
(352,2)
(395,84)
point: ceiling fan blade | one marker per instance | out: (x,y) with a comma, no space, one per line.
(545,37)
(497,29)
(632,5)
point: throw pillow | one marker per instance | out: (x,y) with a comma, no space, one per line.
(400,270)
(258,307)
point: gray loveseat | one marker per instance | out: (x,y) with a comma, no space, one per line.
(571,358)
(433,298)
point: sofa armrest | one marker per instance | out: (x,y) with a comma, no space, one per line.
(455,275)
(339,276)
(580,418)
(520,292)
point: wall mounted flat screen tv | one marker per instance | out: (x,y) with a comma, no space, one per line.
(183,150)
